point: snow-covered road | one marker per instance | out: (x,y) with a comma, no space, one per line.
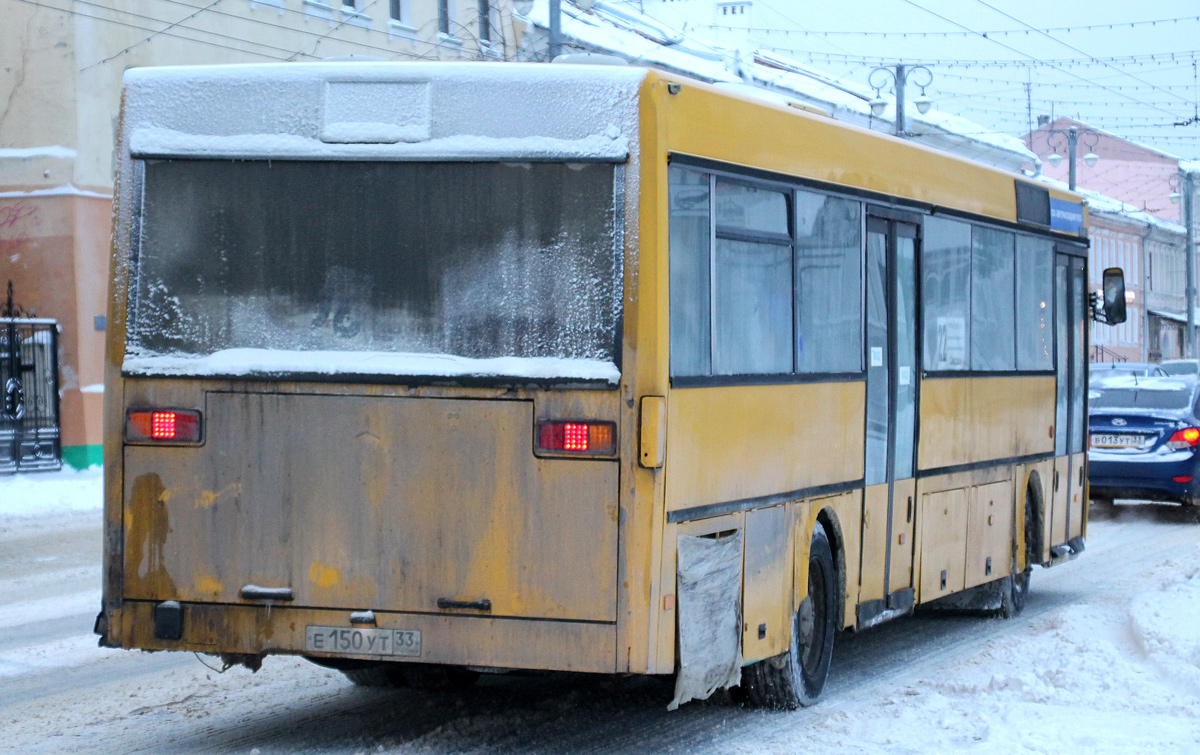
(1106,658)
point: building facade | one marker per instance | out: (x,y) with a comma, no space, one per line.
(1151,252)
(61,66)
(1135,174)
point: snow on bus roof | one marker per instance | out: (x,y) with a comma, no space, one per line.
(383,110)
(250,362)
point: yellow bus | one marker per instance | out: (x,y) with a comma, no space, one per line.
(427,370)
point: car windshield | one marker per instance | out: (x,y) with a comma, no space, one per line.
(1181,368)
(1158,396)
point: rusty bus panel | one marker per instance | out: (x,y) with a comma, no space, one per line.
(345,501)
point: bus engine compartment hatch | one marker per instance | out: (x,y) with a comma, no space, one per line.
(384,503)
(710,632)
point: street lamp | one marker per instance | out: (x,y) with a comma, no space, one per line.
(1072,134)
(900,77)
(1184,185)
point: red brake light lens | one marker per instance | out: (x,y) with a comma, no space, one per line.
(163,426)
(583,437)
(1188,437)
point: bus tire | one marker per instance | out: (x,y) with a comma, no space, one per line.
(795,678)
(1015,587)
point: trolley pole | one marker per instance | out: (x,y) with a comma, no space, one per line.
(1189,201)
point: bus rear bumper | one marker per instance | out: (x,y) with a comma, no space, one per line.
(252,631)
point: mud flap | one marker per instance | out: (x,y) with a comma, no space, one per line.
(709,609)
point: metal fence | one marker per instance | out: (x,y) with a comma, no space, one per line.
(30,437)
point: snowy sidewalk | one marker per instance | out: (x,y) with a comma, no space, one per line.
(35,494)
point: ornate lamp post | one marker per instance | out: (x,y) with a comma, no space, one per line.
(1053,140)
(878,79)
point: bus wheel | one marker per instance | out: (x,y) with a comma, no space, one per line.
(796,678)
(1015,587)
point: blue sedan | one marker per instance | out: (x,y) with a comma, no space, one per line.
(1145,440)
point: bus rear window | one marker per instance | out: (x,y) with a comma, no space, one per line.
(449,261)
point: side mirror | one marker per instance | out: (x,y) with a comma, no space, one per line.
(1114,296)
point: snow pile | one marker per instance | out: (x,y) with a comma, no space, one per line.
(47,493)
(1166,623)
(1116,670)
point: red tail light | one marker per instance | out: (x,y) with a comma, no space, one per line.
(1188,437)
(583,437)
(163,426)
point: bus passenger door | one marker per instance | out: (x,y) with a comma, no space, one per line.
(888,498)
(1070,324)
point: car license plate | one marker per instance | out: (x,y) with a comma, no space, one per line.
(362,641)
(1117,440)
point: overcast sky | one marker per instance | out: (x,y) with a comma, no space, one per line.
(1103,76)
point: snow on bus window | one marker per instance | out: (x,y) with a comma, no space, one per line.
(472,260)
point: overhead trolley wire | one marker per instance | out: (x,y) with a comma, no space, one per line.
(163,30)
(1032,57)
(144,28)
(986,4)
(989,33)
(1055,63)
(211,10)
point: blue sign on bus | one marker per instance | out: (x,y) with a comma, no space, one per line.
(1066,215)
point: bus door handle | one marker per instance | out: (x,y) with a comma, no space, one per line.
(909,517)
(1056,481)
(255,592)
(483,604)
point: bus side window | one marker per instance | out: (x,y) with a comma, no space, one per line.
(690,263)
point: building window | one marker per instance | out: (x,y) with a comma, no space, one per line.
(485,21)
(444,16)
(401,12)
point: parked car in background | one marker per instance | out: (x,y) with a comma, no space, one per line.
(1145,439)
(1099,371)
(1180,367)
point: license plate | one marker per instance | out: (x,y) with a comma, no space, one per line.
(1117,440)
(363,641)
